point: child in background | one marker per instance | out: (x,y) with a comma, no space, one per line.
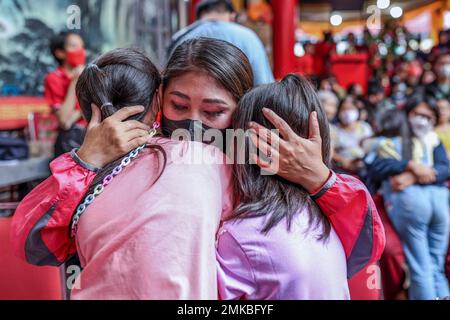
(68,50)
(443,128)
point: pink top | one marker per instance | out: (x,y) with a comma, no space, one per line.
(287,265)
(144,241)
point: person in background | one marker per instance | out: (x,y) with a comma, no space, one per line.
(376,103)
(330,103)
(392,264)
(350,134)
(440,88)
(443,127)
(68,50)
(413,170)
(427,77)
(216,20)
(323,52)
(443,46)
(305,64)
(355,91)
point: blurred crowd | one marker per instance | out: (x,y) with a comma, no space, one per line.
(396,138)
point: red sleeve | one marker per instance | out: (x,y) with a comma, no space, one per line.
(40,226)
(53,91)
(352,213)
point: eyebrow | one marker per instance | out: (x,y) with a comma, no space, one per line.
(181,95)
(208,100)
(218,101)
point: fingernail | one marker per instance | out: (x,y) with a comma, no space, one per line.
(251,124)
(265,110)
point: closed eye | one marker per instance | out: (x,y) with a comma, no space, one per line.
(179,107)
(214,114)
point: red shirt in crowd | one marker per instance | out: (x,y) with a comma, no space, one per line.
(56,85)
(305,65)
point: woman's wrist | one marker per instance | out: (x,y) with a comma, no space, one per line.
(317,180)
(94,160)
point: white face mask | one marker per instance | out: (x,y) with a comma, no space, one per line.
(420,126)
(349,116)
(444,70)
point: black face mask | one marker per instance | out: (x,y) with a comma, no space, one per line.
(196,129)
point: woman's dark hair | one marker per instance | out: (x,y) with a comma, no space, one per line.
(120,78)
(221,60)
(411,104)
(293,99)
(392,123)
(207,6)
(58,42)
(351,89)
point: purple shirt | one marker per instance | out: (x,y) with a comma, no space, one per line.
(280,265)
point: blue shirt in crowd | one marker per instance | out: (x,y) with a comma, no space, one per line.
(240,36)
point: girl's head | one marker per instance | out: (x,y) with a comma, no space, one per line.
(204,80)
(348,112)
(67,47)
(392,123)
(293,99)
(329,103)
(444,111)
(117,79)
(355,90)
(422,114)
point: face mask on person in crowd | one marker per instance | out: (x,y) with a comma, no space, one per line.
(420,126)
(349,116)
(76,58)
(196,129)
(444,70)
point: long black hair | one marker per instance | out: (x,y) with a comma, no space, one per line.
(293,99)
(123,78)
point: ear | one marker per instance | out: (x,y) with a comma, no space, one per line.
(160,99)
(157,100)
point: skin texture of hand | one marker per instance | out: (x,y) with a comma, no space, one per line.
(294,158)
(113,137)
(424,174)
(402,181)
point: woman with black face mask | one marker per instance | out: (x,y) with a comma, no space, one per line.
(203,81)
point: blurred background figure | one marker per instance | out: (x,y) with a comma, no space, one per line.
(216,20)
(413,169)
(68,50)
(351,132)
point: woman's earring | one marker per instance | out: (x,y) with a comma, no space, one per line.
(156,124)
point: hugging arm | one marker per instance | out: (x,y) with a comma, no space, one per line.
(343,199)
(40,226)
